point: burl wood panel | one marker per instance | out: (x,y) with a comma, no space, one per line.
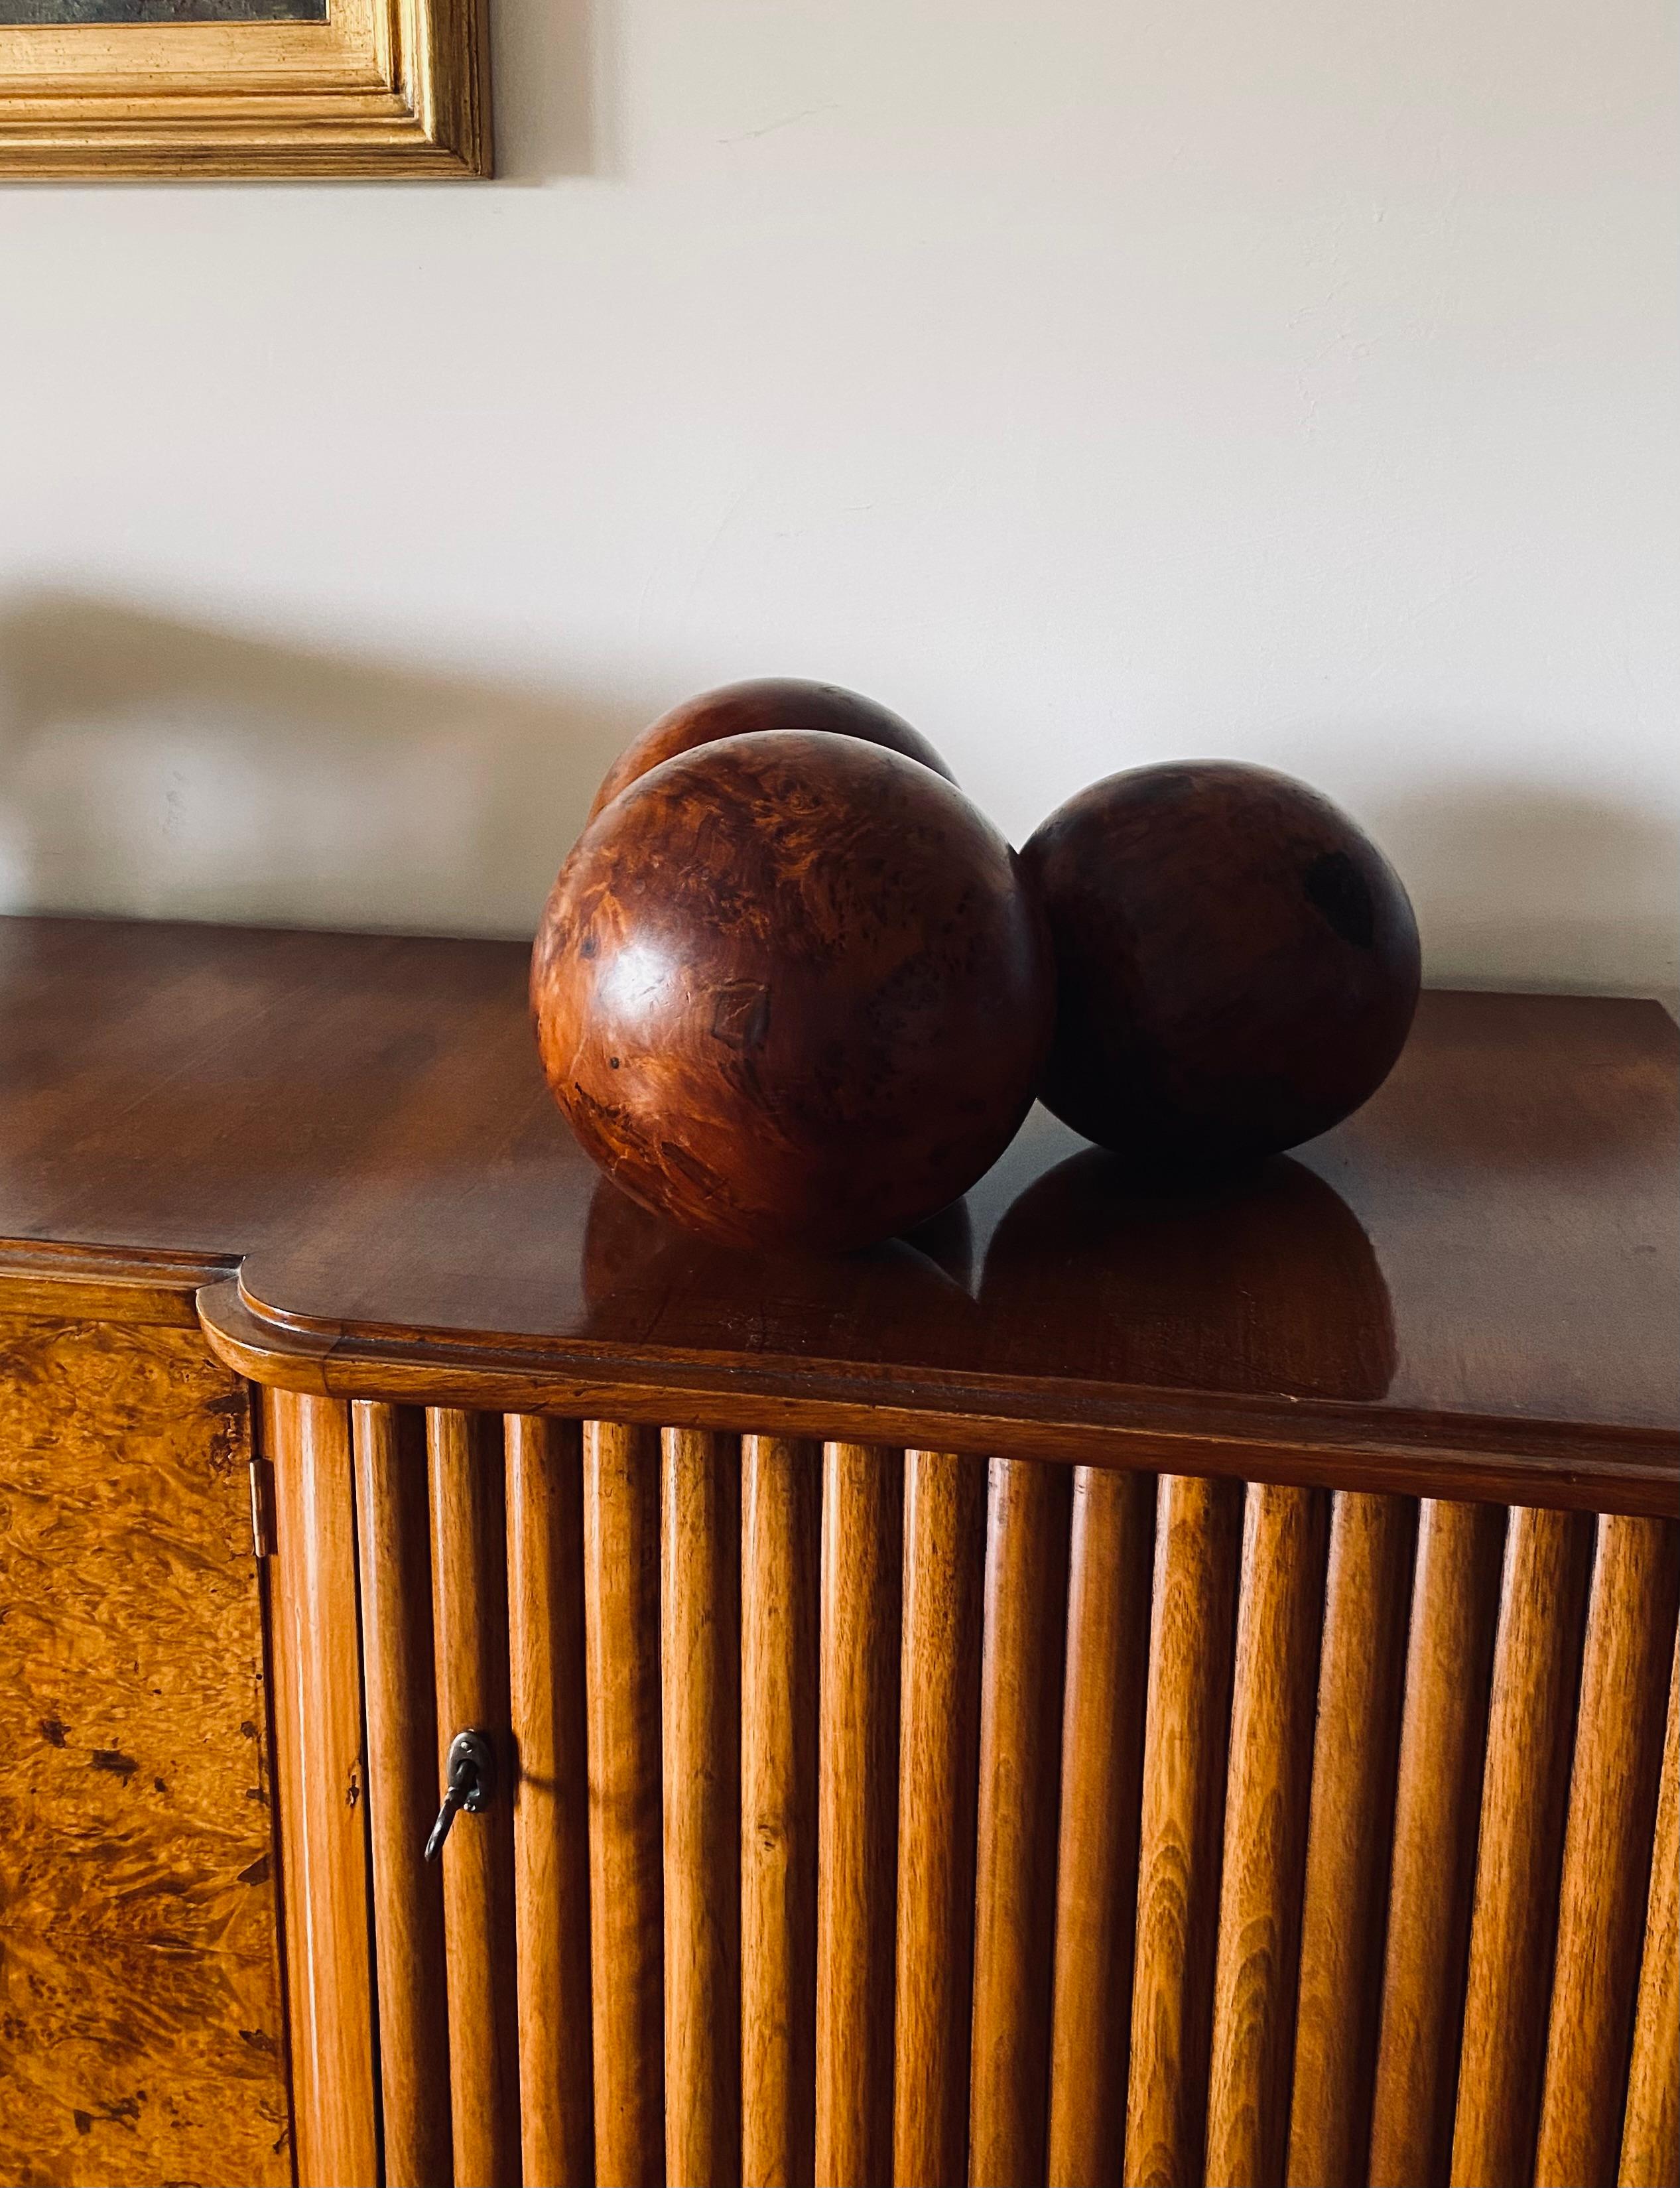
(140,2017)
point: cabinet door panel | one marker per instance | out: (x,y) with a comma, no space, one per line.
(141,2038)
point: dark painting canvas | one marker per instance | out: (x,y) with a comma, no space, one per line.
(62,12)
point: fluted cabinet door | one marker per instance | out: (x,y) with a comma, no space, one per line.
(875,1816)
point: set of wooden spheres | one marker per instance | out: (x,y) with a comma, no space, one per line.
(793,990)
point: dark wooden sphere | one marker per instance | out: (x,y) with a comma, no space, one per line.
(1236,963)
(789,991)
(766,702)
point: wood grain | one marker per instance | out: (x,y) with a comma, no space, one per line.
(1607,1850)
(857,1811)
(269,1425)
(322,1777)
(621,1613)
(1349,1838)
(939,1764)
(393,1543)
(1510,1355)
(1536,1672)
(1237,962)
(469,1622)
(41,1281)
(1569,1469)
(700,1655)
(1110,1558)
(1020,1682)
(790,992)
(363,93)
(551,1802)
(1492,1358)
(781,1496)
(1437,1807)
(141,2026)
(1279,1622)
(1198,1534)
(1650,2140)
(763,702)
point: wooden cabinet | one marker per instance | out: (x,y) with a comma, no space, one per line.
(1109,1689)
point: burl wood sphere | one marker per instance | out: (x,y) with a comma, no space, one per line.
(766,702)
(1236,963)
(789,991)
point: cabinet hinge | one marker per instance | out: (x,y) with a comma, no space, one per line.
(261,1507)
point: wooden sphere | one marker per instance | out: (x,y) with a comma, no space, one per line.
(1236,963)
(766,702)
(789,991)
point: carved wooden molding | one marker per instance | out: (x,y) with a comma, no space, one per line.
(382,88)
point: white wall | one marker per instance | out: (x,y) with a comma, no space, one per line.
(1091,379)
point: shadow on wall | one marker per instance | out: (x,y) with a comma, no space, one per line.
(152,767)
(553,66)
(1522,887)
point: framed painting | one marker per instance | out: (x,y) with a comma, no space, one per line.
(107,88)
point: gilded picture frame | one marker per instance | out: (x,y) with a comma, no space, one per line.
(102,89)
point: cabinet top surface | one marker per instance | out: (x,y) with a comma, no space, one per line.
(360,1118)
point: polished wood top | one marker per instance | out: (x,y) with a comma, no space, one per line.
(1471,1284)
